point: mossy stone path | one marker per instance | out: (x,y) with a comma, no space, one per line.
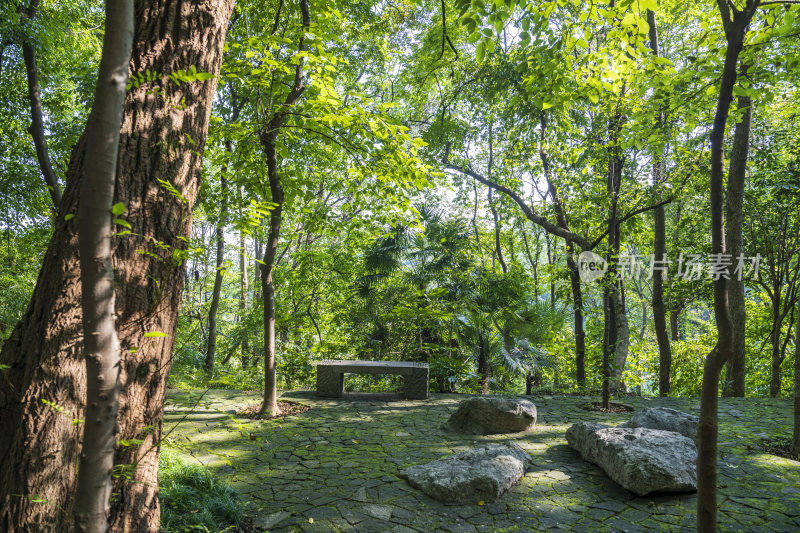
(334,468)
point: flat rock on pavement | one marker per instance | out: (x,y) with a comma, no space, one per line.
(479,474)
(641,460)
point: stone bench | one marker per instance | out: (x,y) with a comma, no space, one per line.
(330,376)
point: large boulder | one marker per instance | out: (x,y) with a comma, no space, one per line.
(642,460)
(479,474)
(487,415)
(666,419)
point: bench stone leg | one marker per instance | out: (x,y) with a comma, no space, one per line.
(329,382)
(415,385)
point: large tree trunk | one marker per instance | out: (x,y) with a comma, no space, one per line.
(159,141)
(735,368)
(101,343)
(735,23)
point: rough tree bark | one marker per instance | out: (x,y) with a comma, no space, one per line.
(101,343)
(36,129)
(735,23)
(659,248)
(734,202)
(269,138)
(162,137)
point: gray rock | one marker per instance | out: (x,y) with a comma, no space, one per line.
(642,460)
(666,419)
(480,474)
(487,415)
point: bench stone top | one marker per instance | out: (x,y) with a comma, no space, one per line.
(371,364)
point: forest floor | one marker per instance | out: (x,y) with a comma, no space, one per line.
(334,467)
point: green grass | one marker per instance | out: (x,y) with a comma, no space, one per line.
(192,499)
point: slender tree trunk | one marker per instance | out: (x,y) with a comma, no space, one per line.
(574,273)
(674,325)
(660,250)
(735,24)
(270,403)
(616,349)
(609,340)
(796,429)
(36,129)
(735,368)
(268,139)
(475,221)
(577,308)
(497,225)
(775,344)
(211,347)
(623,338)
(483,366)
(101,344)
(45,350)
(534,262)
(243,295)
(551,260)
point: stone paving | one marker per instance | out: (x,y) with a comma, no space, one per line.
(334,468)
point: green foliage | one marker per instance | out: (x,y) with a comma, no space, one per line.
(192,498)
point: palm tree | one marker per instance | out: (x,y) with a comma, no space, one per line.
(506,329)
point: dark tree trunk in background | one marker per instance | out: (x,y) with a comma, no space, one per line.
(211,347)
(674,325)
(245,289)
(574,274)
(497,227)
(577,308)
(735,23)
(101,344)
(44,352)
(483,365)
(660,249)
(36,128)
(735,368)
(776,358)
(796,428)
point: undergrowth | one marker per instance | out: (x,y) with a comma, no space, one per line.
(193,499)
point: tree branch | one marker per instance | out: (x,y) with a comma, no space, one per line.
(526,209)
